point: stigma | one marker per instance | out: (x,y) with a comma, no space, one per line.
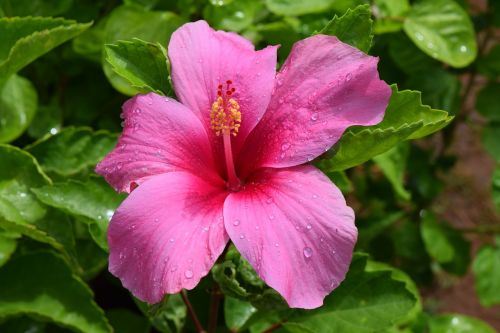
(225,115)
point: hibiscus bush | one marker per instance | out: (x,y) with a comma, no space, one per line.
(249,166)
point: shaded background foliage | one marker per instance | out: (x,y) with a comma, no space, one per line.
(428,255)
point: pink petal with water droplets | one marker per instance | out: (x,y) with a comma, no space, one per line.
(323,87)
(295,229)
(159,135)
(167,235)
(202,59)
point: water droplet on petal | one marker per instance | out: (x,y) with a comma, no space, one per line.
(188,274)
(315,196)
(236,223)
(174,268)
(348,77)
(242,236)
(171,240)
(308,252)
(308,227)
(285,146)
(276,244)
(269,200)
(314,116)
(271,217)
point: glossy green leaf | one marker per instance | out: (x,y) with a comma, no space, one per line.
(234,16)
(91,42)
(72,150)
(42,284)
(94,200)
(488,100)
(297,7)
(366,301)
(18,104)
(409,58)
(48,120)
(8,245)
(445,244)
(237,312)
(23,39)
(440,89)
(393,165)
(127,22)
(168,316)
(486,268)
(144,65)
(456,323)
(238,279)
(354,27)
(389,15)
(410,285)
(443,30)
(35,7)
(405,118)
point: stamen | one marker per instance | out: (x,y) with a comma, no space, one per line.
(225,115)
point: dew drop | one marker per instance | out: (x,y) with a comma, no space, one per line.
(269,200)
(188,274)
(463,48)
(315,196)
(314,116)
(419,36)
(348,77)
(242,236)
(171,240)
(271,217)
(308,252)
(236,223)
(257,227)
(285,146)
(174,268)
(276,244)
(308,227)
(310,158)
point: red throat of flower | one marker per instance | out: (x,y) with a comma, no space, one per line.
(225,119)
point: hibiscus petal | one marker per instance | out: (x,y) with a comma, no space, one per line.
(202,59)
(324,87)
(295,229)
(167,235)
(159,135)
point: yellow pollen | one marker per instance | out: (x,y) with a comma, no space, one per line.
(225,116)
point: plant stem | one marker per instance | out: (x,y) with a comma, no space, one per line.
(273,327)
(192,313)
(214,308)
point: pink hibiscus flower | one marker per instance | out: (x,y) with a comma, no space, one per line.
(230,162)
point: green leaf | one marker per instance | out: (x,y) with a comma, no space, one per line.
(127,22)
(238,279)
(486,268)
(410,285)
(8,245)
(354,27)
(366,301)
(409,58)
(237,312)
(18,104)
(94,200)
(72,150)
(35,7)
(126,321)
(443,30)
(91,42)
(490,136)
(42,284)
(23,39)
(168,316)
(405,118)
(389,15)
(297,7)
(393,165)
(48,120)
(144,65)
(488,100)
(440,89)
(456,323)
(235,16)
(21,212)
(445,244)
(489,64)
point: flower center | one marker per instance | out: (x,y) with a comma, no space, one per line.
(225,119)
(225,116)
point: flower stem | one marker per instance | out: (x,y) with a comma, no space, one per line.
(214,308)
(192,313)
(273,327)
